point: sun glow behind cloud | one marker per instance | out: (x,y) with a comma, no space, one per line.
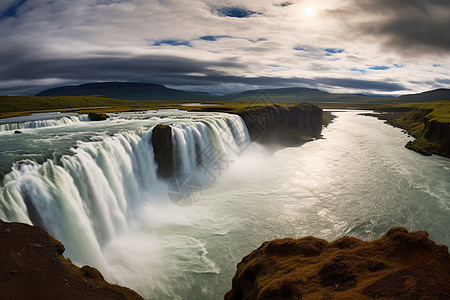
(310,11)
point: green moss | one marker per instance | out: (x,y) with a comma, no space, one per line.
(429,123)
(440,110)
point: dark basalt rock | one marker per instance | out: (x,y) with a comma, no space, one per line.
(17,132)
(32,267)
(93,116)
(283,125)
(163,149)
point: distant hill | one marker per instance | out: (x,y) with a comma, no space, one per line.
(126,91)
(434,95)
(288,94)
(305,95)
(150,91)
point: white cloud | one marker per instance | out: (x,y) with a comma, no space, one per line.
(261,45)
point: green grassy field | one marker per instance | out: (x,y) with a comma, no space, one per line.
(440,109)
(11,106)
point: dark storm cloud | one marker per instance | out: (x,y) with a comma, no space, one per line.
(21,90)
(413,27)
(442,82)
(106,68)
(162,69)
(361,84)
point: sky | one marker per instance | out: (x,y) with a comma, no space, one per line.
(382,47)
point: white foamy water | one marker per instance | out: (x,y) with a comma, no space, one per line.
(98,193)
(66,120)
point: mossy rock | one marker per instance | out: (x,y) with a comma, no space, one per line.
(93,116)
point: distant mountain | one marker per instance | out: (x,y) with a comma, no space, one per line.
(299,94)
(150,91)
(126,91)
(287,94)
(434,95)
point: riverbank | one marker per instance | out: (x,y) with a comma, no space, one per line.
(428,122)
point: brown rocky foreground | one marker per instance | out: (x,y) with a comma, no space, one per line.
(399,265)
(32,267)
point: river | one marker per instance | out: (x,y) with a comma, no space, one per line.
(94,187)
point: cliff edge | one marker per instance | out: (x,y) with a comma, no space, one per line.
(428,122)
(32,267)
(276,124)
(430,125)
(399,265)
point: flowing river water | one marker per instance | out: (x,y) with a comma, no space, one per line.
(93,186)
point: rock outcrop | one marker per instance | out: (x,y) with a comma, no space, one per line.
(283,125)
(432,135)
(32,266)
(163,149)
(93,116)
(399,265)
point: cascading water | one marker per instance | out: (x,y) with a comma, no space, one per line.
(43,123)
(92,197)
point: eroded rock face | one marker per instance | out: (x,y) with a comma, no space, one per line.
(32,267)
(432,136)
(399,265)
(163,148)
(286,126)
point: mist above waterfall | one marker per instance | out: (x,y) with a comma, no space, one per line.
(95,195)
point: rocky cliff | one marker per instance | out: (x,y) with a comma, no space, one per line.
(32,266)
(399,265)
(284,125)
(163,149)
(432,134)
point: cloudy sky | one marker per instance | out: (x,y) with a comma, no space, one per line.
(351,46)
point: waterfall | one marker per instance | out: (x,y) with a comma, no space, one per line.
(91,197)
(43,123)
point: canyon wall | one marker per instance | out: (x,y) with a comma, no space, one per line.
(432,135)
(283,125)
